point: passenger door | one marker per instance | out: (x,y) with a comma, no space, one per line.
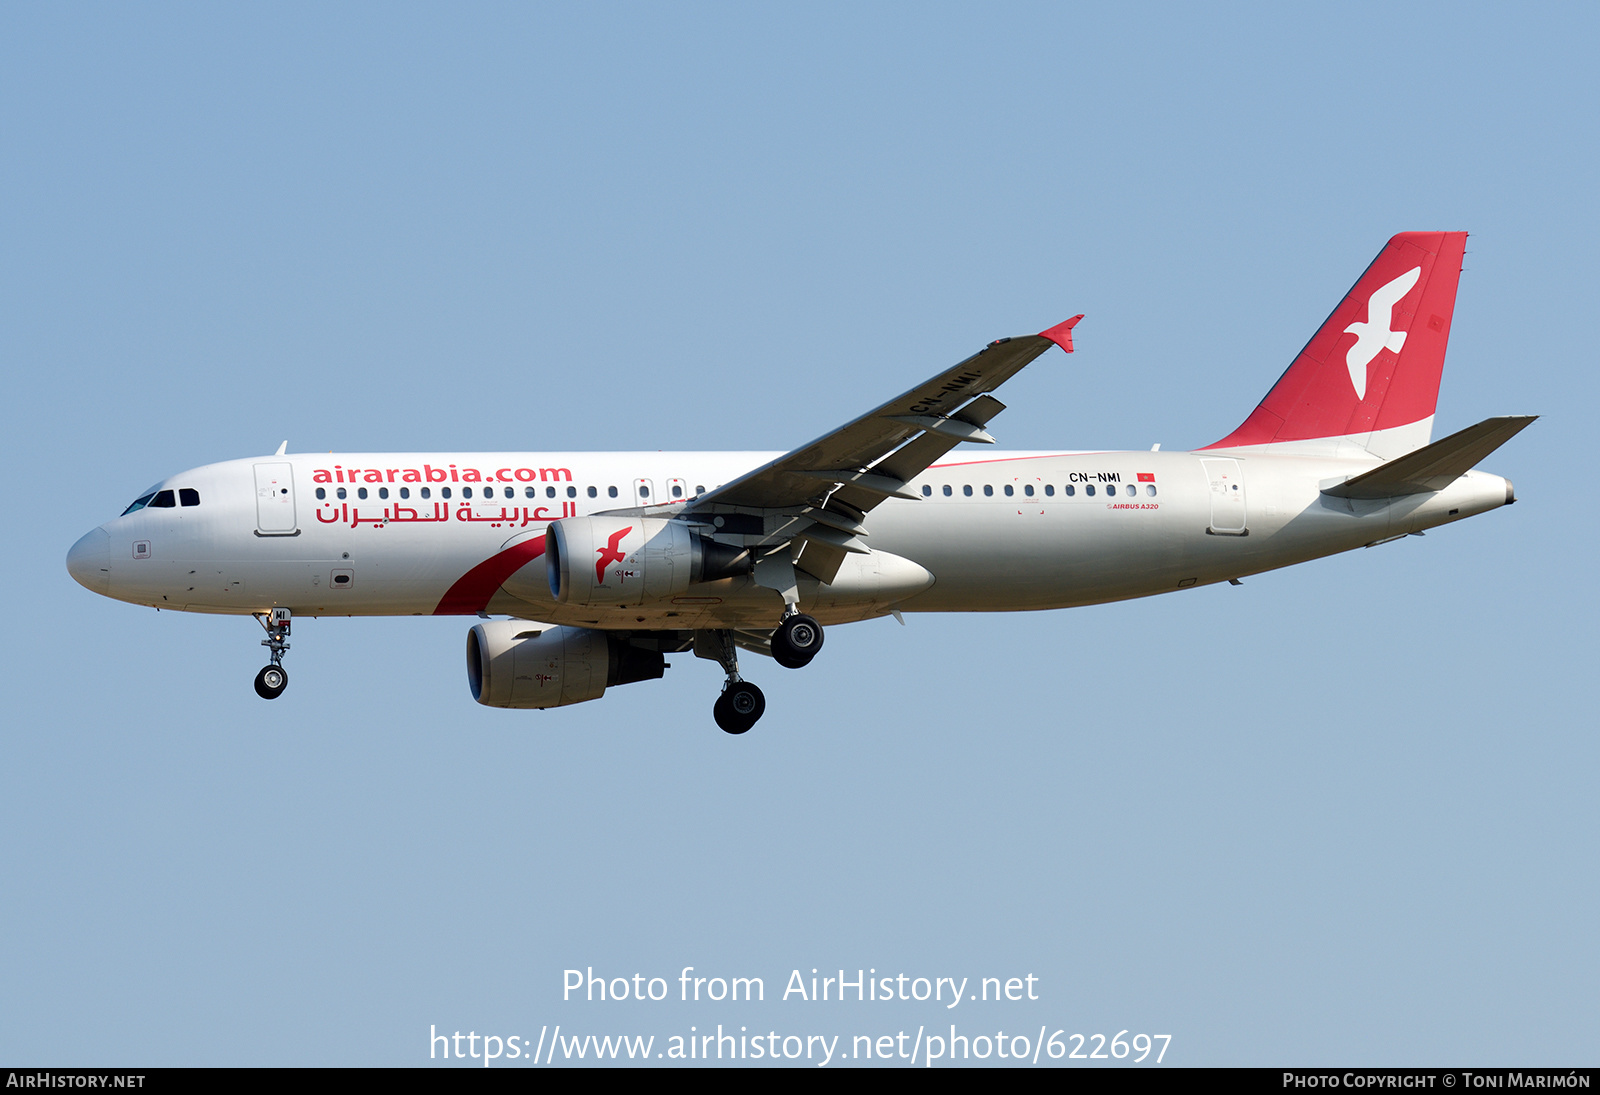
(275,514)
(1227,497)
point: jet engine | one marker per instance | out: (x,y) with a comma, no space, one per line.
(632,560)
(519,663)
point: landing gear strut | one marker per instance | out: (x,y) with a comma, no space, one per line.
(273,679)
(741,704)
(796,641)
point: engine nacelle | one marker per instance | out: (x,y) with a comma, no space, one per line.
(520,663)
(632,560)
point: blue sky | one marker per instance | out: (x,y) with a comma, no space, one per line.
(1343,813)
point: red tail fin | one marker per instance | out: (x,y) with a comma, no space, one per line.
(1370,375)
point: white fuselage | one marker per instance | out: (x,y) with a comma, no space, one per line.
(398,534)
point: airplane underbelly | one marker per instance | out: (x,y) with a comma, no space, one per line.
(1012,557)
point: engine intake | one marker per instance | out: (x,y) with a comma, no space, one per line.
(522,664)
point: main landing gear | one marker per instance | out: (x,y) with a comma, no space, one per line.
(739,707)
(273,679)
(741,704)
(794,643)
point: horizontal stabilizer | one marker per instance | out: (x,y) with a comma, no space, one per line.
(1434,467)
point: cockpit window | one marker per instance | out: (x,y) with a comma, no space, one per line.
(139,503)
(164,499)
(188,496)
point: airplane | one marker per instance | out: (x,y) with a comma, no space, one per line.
(605,563)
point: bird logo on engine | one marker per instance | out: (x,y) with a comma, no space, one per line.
(609,554)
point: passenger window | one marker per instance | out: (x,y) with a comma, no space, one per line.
(699,489)
(1028,490)
(529,492)
(405,492)
(361,493)
(644,491)
(988,491)
(677,491)
(383,492)
(967,490)
(572,492)
(188,496)
(321,493)
(1150,490)
(1010,490)
(1131,490)
(342,494)
(427,492)
(611,492)
(163,500)
(444,492)
(466,492)
(1069,490)
(1049,490)
(947,490)
(138,503)
(592,492)
(1089,490)
(927,491)
(549,492)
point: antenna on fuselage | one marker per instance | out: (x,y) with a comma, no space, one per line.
(283,448)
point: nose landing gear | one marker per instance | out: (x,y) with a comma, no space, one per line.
(271,682)
(273,679)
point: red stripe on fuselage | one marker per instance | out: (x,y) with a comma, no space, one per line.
(471,592)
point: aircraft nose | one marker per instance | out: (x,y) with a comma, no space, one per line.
(89,561)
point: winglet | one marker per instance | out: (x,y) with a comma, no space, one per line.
(1061,333)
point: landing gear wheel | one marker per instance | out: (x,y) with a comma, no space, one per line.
(739,707)
(796,641)
(271,682)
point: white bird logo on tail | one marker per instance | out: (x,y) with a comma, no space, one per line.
(1375,334)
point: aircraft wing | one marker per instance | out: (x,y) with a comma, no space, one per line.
(821,491)
(866,459)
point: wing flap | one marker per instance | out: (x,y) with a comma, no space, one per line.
(821,561)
